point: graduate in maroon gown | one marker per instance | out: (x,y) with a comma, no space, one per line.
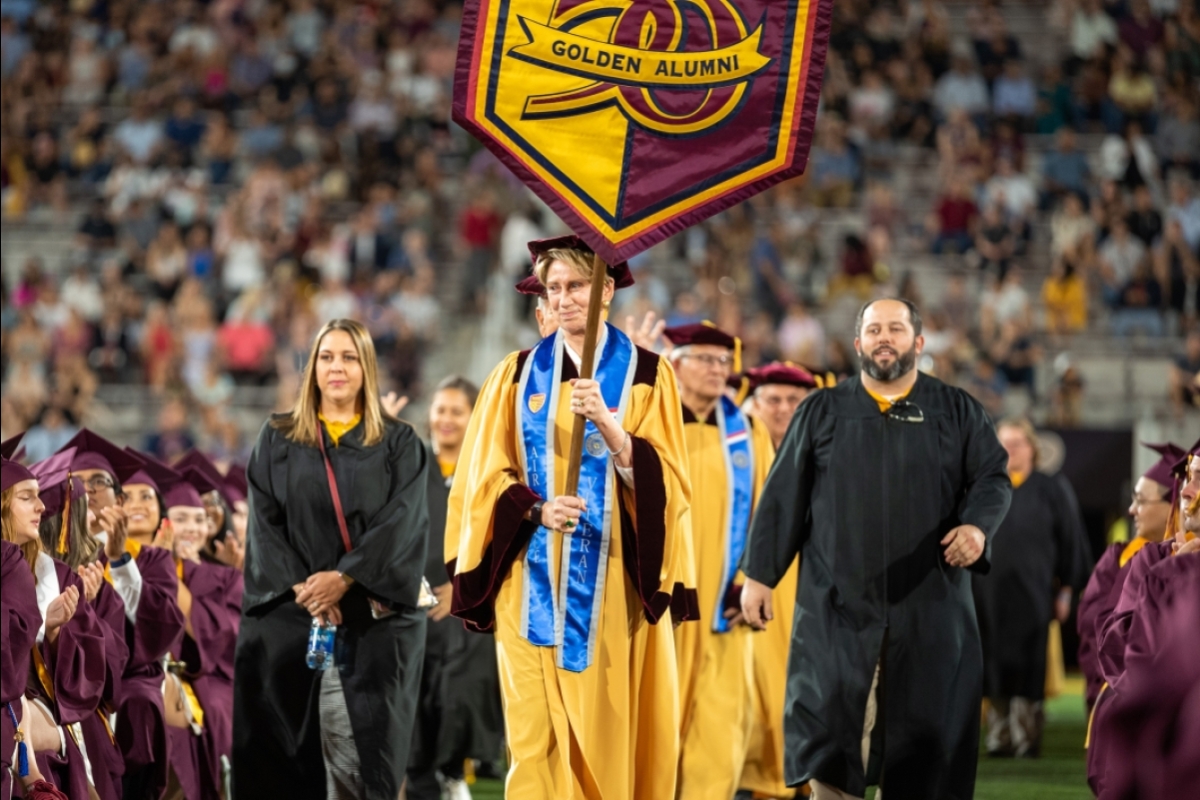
(145,579)
(211,598)
(1150,510)
(68,670)
(65,533)
(1153,518)
(20,622)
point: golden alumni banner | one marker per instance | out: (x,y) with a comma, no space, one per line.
(634,119)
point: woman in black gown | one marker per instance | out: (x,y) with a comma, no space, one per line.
(344,732)
(1038,559)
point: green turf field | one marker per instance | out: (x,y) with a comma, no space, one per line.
(1058,775)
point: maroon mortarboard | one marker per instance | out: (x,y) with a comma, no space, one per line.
(52,475)
(235,483)
(187,492)
(530,286)
(12,473)
(93,451)
(196,460)
(620,273)
(153,473)
(781,373)
(1160,471)
(1179,470)
(8,447)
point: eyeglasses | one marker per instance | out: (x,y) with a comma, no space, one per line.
(710,360)
(905,411)
(1137,500)
(98,483)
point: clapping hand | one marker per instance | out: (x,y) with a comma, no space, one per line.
(60,611)
(92,576)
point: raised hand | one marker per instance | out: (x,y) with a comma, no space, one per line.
(230,551)
(60,611)
(114,521)
(393,404)
(92,576)
(647,334)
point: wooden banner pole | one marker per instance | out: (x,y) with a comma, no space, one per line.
(586,368)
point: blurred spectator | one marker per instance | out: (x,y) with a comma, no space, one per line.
(96,231)
(1185,375)
(246,341)
(1012,190)
(1055,101)
(1013,93)
(369,249)
(480,231)
(1177,138)
(51,431)
(801,336)
(172,439)
(987,384)
(1065,170)
(1067,395)
(1139,30)
(1091,29)
(1177,269)
(1129,159)
(185,127)
(1071,227)
(81,293)
(1132,93)
(1064,295)
(139,135)
(961,88)
(834,169)
(166,260)
(1016,354)
(995,242)
(1120,257)
(1184,208)
(1138,304)
(954,219)
(1144,220)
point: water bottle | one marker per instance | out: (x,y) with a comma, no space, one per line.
(321,637)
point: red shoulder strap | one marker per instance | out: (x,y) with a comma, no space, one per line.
(333,490)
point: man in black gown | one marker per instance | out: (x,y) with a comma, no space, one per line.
(891,486)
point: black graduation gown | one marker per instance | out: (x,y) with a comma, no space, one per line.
(866,499)
(460,715)
(1040,540)
(292,534)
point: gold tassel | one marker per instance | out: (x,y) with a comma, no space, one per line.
(743,391)
(66,519)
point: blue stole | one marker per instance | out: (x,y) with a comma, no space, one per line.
(739,474)
(567,618)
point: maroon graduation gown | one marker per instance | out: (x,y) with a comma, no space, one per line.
(107,764)
(77,672)
(19,623)
(1114,634)
(1091,603)
(216,610)
(141,722)
(1154,719)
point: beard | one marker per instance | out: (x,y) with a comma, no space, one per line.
(900,366)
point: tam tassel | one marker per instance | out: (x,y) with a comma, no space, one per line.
(66,520)
(22,749)
(743,391)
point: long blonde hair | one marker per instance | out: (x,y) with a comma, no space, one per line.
(301,425)
(29,549)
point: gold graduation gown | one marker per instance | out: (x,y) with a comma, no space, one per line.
(611,731)
(716,670)
(763,772)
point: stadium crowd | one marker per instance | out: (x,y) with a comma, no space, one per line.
(250,169)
